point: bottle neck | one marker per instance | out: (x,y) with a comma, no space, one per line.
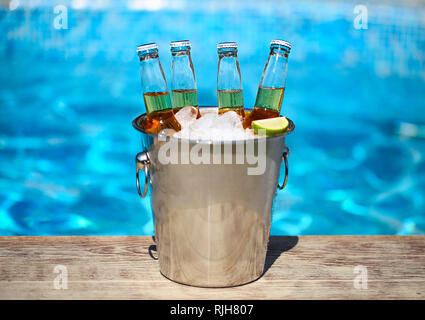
(228,53)
(229,74)
(274,74)
(182,72)
(152,74)
(279,50)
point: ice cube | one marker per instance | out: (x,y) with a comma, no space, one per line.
(207,121)
(230,119)
(186,116)
(183,134)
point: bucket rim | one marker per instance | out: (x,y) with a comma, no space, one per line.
(138,127)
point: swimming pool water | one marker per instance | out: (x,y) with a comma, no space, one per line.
(68,96)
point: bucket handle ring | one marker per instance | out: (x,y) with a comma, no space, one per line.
(285,160)
(143,163)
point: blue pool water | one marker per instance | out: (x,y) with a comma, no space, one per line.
(68,96)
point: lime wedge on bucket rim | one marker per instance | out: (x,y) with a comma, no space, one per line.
(272,126)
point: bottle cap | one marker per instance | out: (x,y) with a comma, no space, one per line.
(227,45)
(281,43)
(180,43)
(147,46)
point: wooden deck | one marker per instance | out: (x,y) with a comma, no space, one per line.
(305,267)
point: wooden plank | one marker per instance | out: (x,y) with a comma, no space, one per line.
(305,267)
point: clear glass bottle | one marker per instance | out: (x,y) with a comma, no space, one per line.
(272,85)
(155,91)
(183,81)
(229,83)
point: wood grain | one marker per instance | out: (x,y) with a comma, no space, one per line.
(305,267)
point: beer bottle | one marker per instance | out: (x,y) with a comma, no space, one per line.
(229,83)
(183,82)
(155,91)
(272,85)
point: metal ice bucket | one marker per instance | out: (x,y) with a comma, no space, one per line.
(212,221)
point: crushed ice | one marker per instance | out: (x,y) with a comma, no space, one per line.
(211,126)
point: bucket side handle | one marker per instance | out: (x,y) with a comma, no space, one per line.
(142,163)
(285,160)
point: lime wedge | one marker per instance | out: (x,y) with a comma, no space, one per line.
(272,126)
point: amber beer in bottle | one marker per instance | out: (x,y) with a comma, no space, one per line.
(183,82)
(272,85)
(155,91)
(229,83)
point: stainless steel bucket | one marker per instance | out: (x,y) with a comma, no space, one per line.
(212,221)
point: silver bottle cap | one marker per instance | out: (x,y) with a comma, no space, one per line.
(281,43)
(147,46)
(227,45)
(180,43)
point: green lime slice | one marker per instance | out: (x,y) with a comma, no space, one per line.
(272,126)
